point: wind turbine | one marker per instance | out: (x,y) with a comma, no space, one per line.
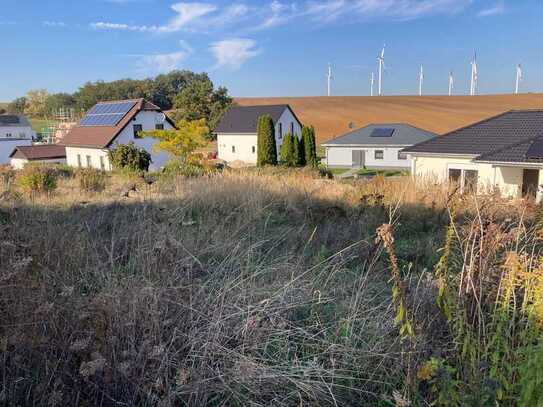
(329,76)
(381,60)
(520,77)
(421,79)
(474,76)
(372,82)
(451,83)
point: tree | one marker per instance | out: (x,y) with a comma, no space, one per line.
(267,149)
(18,106)
(180,142)
(129,156)
(36,102)
(301,151)
(290,151)
(310,146)
(58,101)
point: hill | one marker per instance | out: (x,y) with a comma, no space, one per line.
(331,115)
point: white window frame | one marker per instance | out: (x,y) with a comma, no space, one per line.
(463,168)
(379,151)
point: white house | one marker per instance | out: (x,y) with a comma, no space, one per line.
(15,130)
(377,146)
(38,153)
(503,153)
(111,123)
(236,132)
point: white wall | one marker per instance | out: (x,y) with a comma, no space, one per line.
(243,143)
(16,132)
(342,157)
(148,120)
(19,163)
(7,146)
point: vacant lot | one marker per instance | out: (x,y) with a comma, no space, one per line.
(440,114)
(267,287)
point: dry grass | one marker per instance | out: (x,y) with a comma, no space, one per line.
(440,114)
(252,287)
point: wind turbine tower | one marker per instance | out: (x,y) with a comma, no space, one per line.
(372,82)
(519,78)
(421,79)
(381,60)
(474,76)
(451,83)
(329,76)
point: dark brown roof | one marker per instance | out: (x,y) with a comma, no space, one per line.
(504,135)
(39,152)
(103,136)
(243,119)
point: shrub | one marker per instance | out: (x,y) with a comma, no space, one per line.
(267,149)
(291,151)
(7,175)
(38,178)
(309,146)
(91,180)
(194,166)
(65,171)
(129,157)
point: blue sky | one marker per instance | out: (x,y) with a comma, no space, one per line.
(272,48)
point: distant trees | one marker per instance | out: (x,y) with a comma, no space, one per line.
(266,147)
(36,102)
(17,106)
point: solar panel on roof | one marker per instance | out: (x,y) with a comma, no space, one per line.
(9,119)
(382,132)
(107,114)
(536,149)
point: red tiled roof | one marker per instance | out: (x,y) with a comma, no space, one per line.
(103,136)
(39,152)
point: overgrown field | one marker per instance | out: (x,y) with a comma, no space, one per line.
(267,287)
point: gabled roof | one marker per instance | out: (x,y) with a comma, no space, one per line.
(402,135)
(103,136)
(39,152)
(244,119)
(500,138)
(13,120)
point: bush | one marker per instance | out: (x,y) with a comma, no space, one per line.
(309,146)
(291,151)
(129,157)
(7,175)
(38,178)
(65,171)
(194,166)
(266,146)
(91,180)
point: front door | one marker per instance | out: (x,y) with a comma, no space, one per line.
(530,181)
(358,158)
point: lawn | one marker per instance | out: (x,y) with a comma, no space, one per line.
(39,124)
(385,173)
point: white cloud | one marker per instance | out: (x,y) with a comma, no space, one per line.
(233,53)
(163,63)
(498,8)
(186,14)
(53,24)
(123,27)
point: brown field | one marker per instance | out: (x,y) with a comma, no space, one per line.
(440,114)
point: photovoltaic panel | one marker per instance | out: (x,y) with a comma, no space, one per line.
(536,149)
(382,132)
(9,119)
(107,114)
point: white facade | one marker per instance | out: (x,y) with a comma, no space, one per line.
(373,157)
(98,158)
(19,163)
(8,145)
(243,147)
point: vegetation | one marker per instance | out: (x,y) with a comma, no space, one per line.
(270,286)
(129,157)
(91,180)
(266,146)
(37,178)
(309,146)
(386,173)
(290,151)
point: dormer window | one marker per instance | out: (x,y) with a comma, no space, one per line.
(138,129)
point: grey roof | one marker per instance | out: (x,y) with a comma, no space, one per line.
(243,119)
(404,135)
(13,120)
(505,138)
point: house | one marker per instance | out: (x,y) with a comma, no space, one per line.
(377,146)
(38,153)
(503,153)
(15,130)
(236,132)
(111,123)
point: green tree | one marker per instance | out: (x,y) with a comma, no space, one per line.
(129,156)
(267,148)
(36,102)
(58,101)
(180,142)
(290,151)
(310,146)
(17,106)
(301,151)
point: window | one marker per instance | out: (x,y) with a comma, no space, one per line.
(455,176)
(254,149)
(465,180)
(102,163)
(280,131)
(159,126)
(79,160)
(402,156)
(233,149)
(8,135)
(292,128)
(138,128)
(89,161)
(379,154)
